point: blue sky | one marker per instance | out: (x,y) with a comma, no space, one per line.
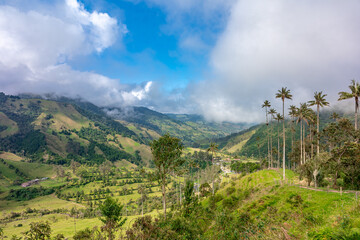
(218,58)
(151,49)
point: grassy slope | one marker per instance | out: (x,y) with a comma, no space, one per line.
(236,144)
(12,127)
(52,117)
(315,211)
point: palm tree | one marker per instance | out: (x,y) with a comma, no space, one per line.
(355,93)
(311,117)
(319,101)
(266,105)
(301,118)
(272,113)
(292,114)
(213,148)
(284,93)
(278,117)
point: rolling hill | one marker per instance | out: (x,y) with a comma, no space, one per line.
(57,132)
(194,130)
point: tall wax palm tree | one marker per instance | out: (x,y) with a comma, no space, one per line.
(301,117)
(355,93)
(278,118)
(284,93)
(272,113)
(292,114)
(213,148)
(319,101)
(311,117)
(266,105)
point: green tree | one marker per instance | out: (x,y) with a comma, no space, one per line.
(284,93)
(166,153)
(319,101)
(355,93)
(38,231)
(112,216)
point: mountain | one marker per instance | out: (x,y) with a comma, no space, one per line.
(253,141)
(60,131)
(194,130)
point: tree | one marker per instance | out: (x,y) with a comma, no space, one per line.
(272,113)
(319,101)
(355,93)
(266,105)
(292,114)
(166,153)
(278,118)
(284,93)
(213,148)
(38,231)
(112,216)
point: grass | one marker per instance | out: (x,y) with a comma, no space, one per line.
(34,170)
(10,156)
(12,127)
(300,212)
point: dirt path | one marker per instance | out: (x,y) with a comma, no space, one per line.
(325,190)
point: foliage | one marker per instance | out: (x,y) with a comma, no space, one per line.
(166,155)
(112,212)
(23,194)
(247,167)
(38,231)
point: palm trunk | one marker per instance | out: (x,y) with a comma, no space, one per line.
(304,143)
(213,191)
(283,140)
(278,157)
(356,112)
(317,130)
(271,145)
(301,143)
(311,141)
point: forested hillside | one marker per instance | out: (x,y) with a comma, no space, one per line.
(59,131)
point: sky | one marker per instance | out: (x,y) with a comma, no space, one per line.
(217,58)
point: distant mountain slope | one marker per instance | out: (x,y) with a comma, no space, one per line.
(58,132)
(253,141)
(192,129)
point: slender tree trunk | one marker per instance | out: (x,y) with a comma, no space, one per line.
(283,139)
(164,196)
(180,191)
(356,112)
(317,130)
(271,145)
(278,155)
(304,143)
(311,141)
(268,141)
(213,180)
(142,205)
(301,143)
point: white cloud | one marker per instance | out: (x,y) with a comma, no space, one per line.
(306,46)
(36,44)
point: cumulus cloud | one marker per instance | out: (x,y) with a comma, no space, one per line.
(36,42)
(306,46)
